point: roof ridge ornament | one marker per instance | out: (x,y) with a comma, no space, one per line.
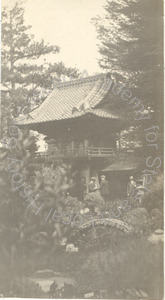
(81,80)
(85,106)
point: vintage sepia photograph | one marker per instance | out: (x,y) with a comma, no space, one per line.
(81,149)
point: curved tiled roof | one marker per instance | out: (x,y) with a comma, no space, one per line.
(73,99)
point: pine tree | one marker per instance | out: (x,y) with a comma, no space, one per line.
(131,47)
(22,75)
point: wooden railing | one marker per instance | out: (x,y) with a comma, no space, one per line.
(100,151)
(79,152)
(88,152)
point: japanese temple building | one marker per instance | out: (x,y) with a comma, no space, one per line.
(81,128)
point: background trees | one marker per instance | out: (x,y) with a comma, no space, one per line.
(22,73)
(131,46)
(130,38)
(22,246)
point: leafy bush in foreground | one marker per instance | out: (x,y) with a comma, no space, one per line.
(154,197)
(129,268)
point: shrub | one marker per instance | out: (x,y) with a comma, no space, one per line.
(154,197)
(94,200)
(138,218)
(128,269)
(23,288)
(72,205)
(156,219)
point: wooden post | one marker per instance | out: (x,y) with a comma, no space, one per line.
(87,177)
(72,146)
(86,145)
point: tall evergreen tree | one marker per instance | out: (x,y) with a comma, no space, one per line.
(22,76)
(131,47)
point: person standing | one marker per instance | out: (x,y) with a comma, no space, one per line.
(104,189)
(91,185)
(131,186)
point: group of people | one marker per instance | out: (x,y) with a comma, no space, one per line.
(103,187)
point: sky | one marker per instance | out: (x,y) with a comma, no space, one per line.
(67,23)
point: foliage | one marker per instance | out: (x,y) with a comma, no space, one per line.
(25,237)
(94,200)
(99,237)
(154,197)
(51,184)
(131,50)
(139,219)
(65,292)
(15,222)
(132,272)
(22,76)
(156,219)
(72,205)
(23,287)
(29,241)
(129,45)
